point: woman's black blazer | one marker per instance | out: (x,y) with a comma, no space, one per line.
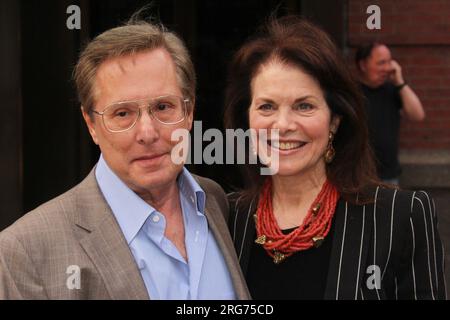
(389,249)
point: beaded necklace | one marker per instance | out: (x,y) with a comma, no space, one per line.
(312,232)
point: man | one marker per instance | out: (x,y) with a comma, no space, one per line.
(387,97)
(139,226)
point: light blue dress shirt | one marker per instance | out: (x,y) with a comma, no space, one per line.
(165,272)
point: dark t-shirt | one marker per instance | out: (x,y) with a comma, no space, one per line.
(383,106)
(302,276)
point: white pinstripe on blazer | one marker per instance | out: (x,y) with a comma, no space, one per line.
(397,233)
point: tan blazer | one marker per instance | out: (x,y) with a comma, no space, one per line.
(78,229)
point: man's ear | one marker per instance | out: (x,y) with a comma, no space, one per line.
(335,122)
(190,116)
(190,119)
(90,124)
(362,65)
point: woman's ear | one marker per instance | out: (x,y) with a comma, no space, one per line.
(335,122)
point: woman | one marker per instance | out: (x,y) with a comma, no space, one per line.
(321,227)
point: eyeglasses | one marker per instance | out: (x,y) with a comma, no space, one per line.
(122,116)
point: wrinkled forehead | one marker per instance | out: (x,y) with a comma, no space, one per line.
(136,76)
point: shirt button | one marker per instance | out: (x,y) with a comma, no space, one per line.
(155,218)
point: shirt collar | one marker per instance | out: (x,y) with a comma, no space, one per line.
(130,210)
(191,189)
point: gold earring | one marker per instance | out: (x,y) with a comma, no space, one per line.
(330,152)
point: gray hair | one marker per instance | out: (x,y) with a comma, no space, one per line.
(134,37)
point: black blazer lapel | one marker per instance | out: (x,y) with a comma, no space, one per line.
(351,242)
(244,233)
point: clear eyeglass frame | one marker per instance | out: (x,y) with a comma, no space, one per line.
(144,103)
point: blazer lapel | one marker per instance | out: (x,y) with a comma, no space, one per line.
(248,236)
(220,231)
(351,241)
(105,244)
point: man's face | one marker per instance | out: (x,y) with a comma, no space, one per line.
(377,67)
(141,156)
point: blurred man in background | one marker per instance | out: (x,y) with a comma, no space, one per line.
(388,97)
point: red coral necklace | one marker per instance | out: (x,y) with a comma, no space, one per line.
(312,232)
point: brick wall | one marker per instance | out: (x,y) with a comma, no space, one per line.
(418,33)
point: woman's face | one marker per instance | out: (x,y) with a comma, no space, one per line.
(284,97)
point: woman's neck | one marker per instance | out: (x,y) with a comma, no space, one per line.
(294,189)
(293,195)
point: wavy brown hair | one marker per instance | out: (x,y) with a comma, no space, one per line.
(298,42)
